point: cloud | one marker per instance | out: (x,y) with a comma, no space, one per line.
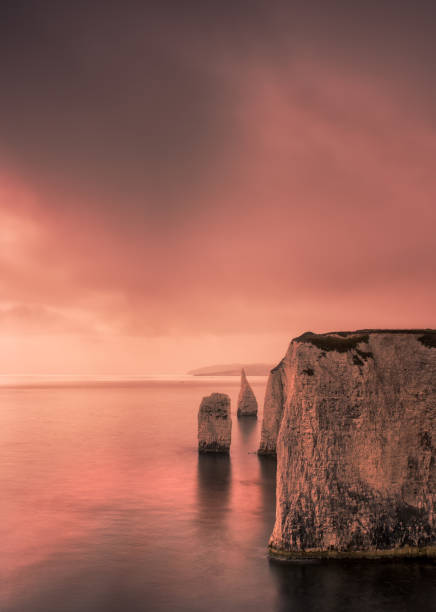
(252,178)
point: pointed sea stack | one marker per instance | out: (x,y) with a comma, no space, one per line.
(354,416)
(214,424)
(247,403)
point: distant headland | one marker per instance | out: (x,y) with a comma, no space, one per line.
(233,369)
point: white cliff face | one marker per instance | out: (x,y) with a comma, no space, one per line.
(247,403)
(356,470)
(214,424)
(272,410)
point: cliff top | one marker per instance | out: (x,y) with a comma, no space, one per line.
(342,341)
(216,404)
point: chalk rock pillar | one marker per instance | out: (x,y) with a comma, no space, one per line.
(214,424)
(247,403)
(272,411)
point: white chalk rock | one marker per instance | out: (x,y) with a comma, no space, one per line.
(214,424)
(356,454)
(247,403)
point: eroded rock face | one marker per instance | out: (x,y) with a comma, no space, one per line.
(247,403)
(356,473)
(272,410)
(214,424)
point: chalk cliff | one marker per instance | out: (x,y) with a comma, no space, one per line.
(355,414)
(214,424)
(247,403)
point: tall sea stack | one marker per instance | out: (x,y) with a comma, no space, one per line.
(356,470)
(272,410)
(214,424)
(247,403)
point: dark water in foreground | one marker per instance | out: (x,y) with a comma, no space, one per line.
(106,506)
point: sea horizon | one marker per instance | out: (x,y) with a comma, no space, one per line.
(49,380)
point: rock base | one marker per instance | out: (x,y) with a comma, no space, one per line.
(405,552)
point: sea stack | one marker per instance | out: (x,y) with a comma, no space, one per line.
(272,410)
(247,403)
(214,424)
(356,464)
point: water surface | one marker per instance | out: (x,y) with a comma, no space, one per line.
(106,506)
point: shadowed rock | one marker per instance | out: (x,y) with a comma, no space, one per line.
(356,473)
(247,403)
(214,424)
(272,411)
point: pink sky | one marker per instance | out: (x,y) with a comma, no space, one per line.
(214,214)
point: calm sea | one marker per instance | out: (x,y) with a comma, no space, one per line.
(105,506)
